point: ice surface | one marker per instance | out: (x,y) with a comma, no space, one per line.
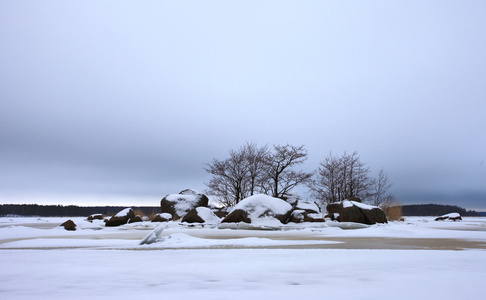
(242,274)
(98,261)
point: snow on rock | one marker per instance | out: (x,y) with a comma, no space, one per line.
(163,217)
(121,218)
(352,211)
(201,215)
(259,208)
(309,207)
(300,215)
(178,205)
(292,197)
(124,212)
(69,225)
(452,216)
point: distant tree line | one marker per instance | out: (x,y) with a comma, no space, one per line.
(71,210)
(252,169)
(435,210)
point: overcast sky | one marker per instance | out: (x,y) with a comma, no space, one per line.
(123,102)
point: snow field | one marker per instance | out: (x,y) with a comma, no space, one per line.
(41,260)
(243,274)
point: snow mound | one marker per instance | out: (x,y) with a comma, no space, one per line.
(259,205)
(207,215)
(307,206)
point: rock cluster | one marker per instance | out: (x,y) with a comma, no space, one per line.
(352,211)
(261,207)
(452,216)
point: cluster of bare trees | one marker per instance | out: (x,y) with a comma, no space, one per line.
(346,177)
(251,169)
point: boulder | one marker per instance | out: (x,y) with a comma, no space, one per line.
(452,216)
(69,225)
(352,211)
(236,216)
(309,207)
(136,219)
(163,217)
(121,218)
(178,205)
(201,215)
(221,212)
(292,198)
(259,208)
(314,218)
(300,215)
(95,217)
(297,216)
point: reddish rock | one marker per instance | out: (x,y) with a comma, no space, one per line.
(69,225)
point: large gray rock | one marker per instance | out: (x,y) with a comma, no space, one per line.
(352,211)
(178,205)
(259,209)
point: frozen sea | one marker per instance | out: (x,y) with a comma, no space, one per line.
(416,259)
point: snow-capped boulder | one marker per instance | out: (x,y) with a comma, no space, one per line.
(95,217)
(221,212)
(309,207)
(259,208)
(135,219)
(352,211)
(292,198)
(179,204)
(201,215)
(163,217)
(452,216)
(300,215)
(121,218)
(69,225)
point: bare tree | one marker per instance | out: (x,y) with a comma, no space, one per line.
(238,176)
(256,158)
(251,169)
(325,186)
(381,186)
(340,178)
(281,178)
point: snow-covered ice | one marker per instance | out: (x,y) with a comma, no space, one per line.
(399,260)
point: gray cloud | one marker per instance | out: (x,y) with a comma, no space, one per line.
(114,99)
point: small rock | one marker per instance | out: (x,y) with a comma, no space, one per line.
(69,225)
